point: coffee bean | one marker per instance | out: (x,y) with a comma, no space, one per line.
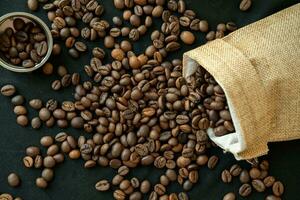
(28,161)
(258,185)
(49,162)
(56,85)
(47,174)
(74,53)
(28,63)
(36,103)
(8,90)
(244,176)
(18,24)
(80,46)
(102,185)
(212,162)
(278,188)
(245,5)
(229,196)
(44,114)
(17,100)
(41,183)
(47,68)
(235,170)
(254,173)
(119,195)
(226,176)
(187,185)
(13,180)
(22,120)
(32,5)
(36,123)
(272,197)
(245,190)
(269,181)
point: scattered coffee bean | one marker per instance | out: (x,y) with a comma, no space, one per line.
(13,180)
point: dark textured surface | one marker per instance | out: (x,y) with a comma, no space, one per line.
(72,181)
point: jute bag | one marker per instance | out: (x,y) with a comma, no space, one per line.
(258,67)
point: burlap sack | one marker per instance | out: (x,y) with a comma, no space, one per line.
(258,67)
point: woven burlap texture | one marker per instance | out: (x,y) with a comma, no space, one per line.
(258,67)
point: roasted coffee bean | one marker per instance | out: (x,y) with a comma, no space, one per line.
(102,185)
(13,180)
(56,85)
(278,188)
(245,5)
(272,197)
(269,181)
(244,176)
(8,90)
(28,161)
(17,100)
(212,162)
(22,120)
(41,183)
(47,68)
(47,174)
(80,46)
(258,185)
(235,170)
(74,53)
(229,196)
(245,190)
(145,186)
(36,103)
(32,4)
(226,176)
(254,173)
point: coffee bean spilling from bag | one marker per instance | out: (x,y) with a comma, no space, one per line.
(139,109)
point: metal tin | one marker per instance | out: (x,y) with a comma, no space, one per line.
(36,20)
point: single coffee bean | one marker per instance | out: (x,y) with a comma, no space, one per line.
(47,68)
(32,5)
(272,197)
(36,103)
(269,181)
(187,185)
(102,185)
(13,180)
(8,90)
(27,63)
(22,120)
(226,176)
(278,188)
(49,162)
(244,176)
(17,100)
(245,5)
(235,170)
(229,196)
(74,53)
(28,161)
(187,37)
(36,123)
(47,174)
(119,195)
(56,85)
(258,185)
(212,162)
(245,190)
(80,46)
(44,114)
(41,183)
(18,24)
(254,173)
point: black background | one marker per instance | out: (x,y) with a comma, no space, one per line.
(72,181)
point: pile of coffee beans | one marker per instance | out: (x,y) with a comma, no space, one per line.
(214,109)
(138,108)
(24,44)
